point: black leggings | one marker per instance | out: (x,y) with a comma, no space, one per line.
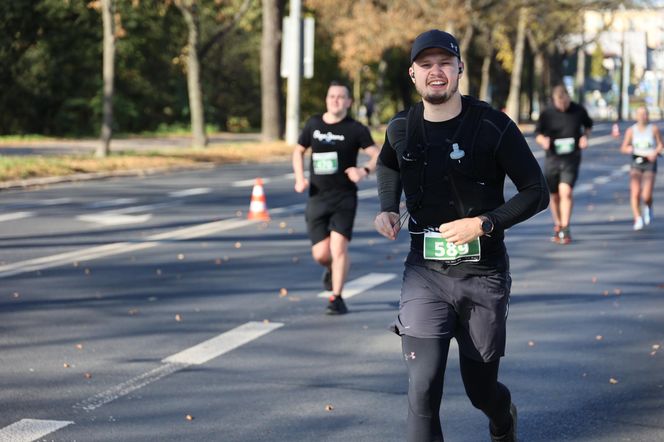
(426,359)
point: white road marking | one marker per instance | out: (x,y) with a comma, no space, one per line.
(362,284)
(111,203)
(190,192)
(46,262)
(28,430)
(144,208)
(225,342)
(53,202)
(367,193)
(123,389)
(249,183)
(196,355)
(15,215)
(112,219)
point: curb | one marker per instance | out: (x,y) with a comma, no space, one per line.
(45,181)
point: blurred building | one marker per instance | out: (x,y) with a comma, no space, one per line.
(632,47)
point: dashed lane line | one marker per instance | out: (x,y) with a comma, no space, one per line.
(105,250)
(27,430)
(190,192)
(362,284)
(196,355)
(14,216)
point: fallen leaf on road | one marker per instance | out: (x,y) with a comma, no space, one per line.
(266,321)
(613,381)
(599,337)
(282,225)
(283,292)
(15,295)
(178,317)
(87,375)
(180,256)
(66,365)
(189,417)
(79,346)
(656,346)
(531,343)
(617,292)
(238,245)
(594,279)
(329,407)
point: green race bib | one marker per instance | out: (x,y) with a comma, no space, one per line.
(564,146)
(437,248)
(642,148)
(325,163)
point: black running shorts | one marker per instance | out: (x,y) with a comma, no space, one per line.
(641,164)
(561,169)
(331,212)
(472,309)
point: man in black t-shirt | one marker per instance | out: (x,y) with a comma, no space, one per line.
(335,140)
(562,131)
(450,155)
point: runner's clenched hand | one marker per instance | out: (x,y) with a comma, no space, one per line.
(387,224)
(461,231)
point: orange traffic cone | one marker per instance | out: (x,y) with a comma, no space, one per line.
(615,130)
(257,207)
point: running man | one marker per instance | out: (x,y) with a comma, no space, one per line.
(335,140)
(450,155)
(644,142)
(562,131)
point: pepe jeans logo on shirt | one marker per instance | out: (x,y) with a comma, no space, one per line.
(328,137)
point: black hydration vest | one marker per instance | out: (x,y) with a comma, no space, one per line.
(475,184)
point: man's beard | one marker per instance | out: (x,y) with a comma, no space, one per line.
(440,97)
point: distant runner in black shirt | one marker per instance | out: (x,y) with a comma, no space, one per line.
(450,155)
(335,140)
(562,131)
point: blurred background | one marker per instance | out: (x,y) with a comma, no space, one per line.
(163,66)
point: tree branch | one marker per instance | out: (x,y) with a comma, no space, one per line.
(223,30)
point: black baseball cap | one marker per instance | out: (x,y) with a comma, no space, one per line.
(434,39)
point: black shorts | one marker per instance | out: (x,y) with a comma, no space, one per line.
(472,309)
(641,164)
(328,212)
(561,169)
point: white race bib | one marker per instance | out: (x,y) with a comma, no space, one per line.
(325,163)
(564,146)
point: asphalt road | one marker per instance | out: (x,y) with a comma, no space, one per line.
(109,288)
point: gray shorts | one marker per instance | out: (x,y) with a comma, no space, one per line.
(472,309)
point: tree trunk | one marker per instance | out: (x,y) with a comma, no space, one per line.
(190,13)
(512,107)
(486,78)
(270,81)
(464,83)
(107,13)
(580,77)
